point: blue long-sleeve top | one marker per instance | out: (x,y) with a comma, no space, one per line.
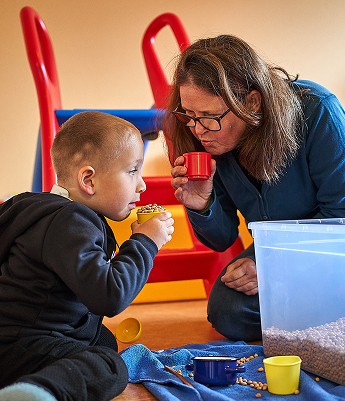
(58,270)
(312,186)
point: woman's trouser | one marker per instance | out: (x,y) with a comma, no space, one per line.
(232,313)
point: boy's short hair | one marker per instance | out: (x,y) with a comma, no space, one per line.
(84,139)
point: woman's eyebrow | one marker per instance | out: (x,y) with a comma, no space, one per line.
(203,112)
(185,109)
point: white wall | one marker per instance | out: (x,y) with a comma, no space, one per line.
(98,52)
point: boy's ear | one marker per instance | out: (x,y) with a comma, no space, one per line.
(85,176)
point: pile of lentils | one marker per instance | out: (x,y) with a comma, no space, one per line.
(321,348)
(151,208)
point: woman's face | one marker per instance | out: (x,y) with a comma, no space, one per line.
(199,103)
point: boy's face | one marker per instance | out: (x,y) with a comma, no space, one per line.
(118,189)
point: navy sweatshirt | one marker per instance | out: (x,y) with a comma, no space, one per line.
(59,275)
(312,186)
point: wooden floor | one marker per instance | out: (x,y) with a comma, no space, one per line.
(165,325)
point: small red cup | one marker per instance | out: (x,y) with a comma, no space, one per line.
(198,165)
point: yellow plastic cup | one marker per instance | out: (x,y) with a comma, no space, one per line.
(142,217)
(282,374)
(128,331)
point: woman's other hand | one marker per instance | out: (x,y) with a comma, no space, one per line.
(192,194)
(241,276)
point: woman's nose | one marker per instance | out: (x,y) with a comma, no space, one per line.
(199,129)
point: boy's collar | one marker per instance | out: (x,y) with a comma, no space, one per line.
(57,190)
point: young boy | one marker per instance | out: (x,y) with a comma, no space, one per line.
(59,275)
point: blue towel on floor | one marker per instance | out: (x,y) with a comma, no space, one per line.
(147,367)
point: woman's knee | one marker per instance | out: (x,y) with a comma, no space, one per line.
(234,314)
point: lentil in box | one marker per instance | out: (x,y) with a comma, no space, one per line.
(301,279)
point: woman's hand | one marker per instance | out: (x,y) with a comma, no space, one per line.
(241,276)
(192,194)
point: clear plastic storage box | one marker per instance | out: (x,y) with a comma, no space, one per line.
(301,279)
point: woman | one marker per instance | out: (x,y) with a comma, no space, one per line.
(277,146)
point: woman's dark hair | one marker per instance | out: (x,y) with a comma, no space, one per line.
(228,67)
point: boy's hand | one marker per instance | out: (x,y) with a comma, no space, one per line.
(159,228)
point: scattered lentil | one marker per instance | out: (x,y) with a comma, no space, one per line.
(260,369)
(244,359)
(296,392)
(258,395)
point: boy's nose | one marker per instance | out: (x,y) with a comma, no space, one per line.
(141,186)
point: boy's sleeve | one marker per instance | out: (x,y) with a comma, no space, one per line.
(75,249)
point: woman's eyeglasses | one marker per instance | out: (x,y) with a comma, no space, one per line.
(210,123)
